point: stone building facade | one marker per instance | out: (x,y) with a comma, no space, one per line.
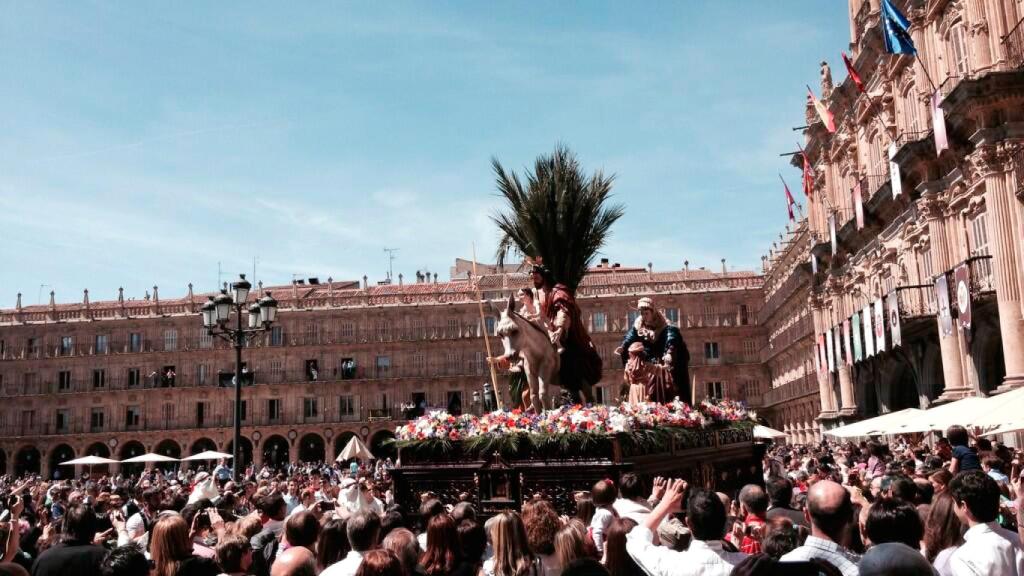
(123,377)
(911,233)
(791,402)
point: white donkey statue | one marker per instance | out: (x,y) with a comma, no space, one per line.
(531,342)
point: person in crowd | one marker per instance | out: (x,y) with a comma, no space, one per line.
(616,559)
(542,523)
(234,555)
(780,498)
(604,494)
(404,545)
(171,550)
(963,458)
(894,520)
(430,508)
(472,545)
(994,467)
(780,538)
(584,507)
(511,548)
(633,502)
(127,560)
(940,480)
(943,533)
(442,551)
(463,511)
(753,508)
(76,553)
(570,543)
(705,517)
(298,561)
(894,559)
(830,513)
(302,529)
(585,567)
(988,548)
(876,461)
(332,544)
(380,562)
(363,529)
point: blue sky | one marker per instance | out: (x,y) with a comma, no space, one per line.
(141,145)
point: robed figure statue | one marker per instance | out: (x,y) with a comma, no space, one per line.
(662,344)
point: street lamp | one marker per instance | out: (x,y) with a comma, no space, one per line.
(216,314)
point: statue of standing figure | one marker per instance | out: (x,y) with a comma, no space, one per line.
(826,81)
(662,344)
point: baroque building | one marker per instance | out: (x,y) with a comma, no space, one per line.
(916,218)
(124,377)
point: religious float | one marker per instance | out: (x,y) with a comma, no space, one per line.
(498,460)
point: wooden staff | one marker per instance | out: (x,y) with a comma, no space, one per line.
(487,341)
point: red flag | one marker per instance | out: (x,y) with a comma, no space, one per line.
(853,73)
(789,199)
(808,175)
(826,117)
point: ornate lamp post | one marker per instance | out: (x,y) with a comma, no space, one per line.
(216,318)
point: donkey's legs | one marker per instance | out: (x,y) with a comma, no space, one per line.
(536,400)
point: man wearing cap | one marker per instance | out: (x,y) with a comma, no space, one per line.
(580,363)
(660,340)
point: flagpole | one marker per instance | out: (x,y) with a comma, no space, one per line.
(917,56)
(483,326)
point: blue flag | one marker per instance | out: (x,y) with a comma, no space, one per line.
(896,30)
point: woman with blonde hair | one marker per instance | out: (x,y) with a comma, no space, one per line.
(570,543)
(511,549)
(170,547)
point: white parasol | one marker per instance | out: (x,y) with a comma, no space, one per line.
(355,449)
(207,455)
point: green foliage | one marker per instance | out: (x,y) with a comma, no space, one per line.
(559,215)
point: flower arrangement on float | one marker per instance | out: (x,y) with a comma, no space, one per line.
(571,429)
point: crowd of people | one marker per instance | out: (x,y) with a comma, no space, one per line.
(857,508)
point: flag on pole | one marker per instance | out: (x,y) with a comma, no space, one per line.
(858,206)
(852,72)
(832,233)
(808,173)
(939,125)
(826,117)
(789,199)
(896,30)
(894,172)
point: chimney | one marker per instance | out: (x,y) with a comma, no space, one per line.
(18,305)
(295,292)
(53,307)
(399,278)
(604,263)
(723,265)
(86,313)
(616,265)
(191,299)
(366,283)
(156,301)
(120,300)
(686,265)
(330,286)
(435,277)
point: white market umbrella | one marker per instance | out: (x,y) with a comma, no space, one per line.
(207,455)
(149,457)
(876,425)
(355,449)
(963,412)
(1006,429)
(1007,409)
(89,461)
(766,433)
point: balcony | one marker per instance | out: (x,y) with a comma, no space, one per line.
(916,301)
(871,184)
(982,281)
(803,386)
(1013,45)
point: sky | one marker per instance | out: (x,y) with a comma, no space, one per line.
(146,143)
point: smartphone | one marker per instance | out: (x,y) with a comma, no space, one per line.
(325,505)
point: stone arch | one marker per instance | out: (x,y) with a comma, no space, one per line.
(202,445)
(246,445)
(98,449)
(276,451)
(169,448)
(312,448)
(381,445)
(61,453)
(987,350)
(27,461)
(933,380)
(131,449)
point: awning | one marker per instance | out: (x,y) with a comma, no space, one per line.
(355,449)
(964,412)
(89,461)
(1007,410)
(149,457)
(875,426)
(766,433)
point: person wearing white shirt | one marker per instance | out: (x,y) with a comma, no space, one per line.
(987,548)
(705,517)
(363,529)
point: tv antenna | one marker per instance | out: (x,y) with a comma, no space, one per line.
(391,259)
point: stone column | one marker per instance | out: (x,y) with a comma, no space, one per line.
(828,404)
(991,163)
(949,346)
(849,403)
(978,35)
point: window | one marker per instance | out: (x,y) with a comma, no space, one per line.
(312,333)
(201,412)
(96,417)
(102,344)
(205,340)
(29,381)
(453,327)
(132,416)
(715,390)
(708,315)
(599,322)
(711,351)
(135,342)
(451,363)
(383,330)
(276,336)
(348,368)
(168,413)
(274,409)
(599,394)
(958,50)
(276,371)
(383,366)
(347,406)
(170,340)
(168,377)
(348,330)
(312,370)
(631,317)
(455,402)
(744,315)
(99,379)
(310,408)
(490,322)
(245,410)
(672,315)
(478,363)
(64,381)
(419,364)
(32,345)
(979,247)
(134,377)
(3,349)
(202,374)
(910,112)
(67,345)
(749,349)
(28,421)
(63,420)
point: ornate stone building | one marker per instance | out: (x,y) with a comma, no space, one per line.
(123,377)
(792,402)
(925,238)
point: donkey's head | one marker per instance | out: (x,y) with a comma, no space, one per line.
(508,329)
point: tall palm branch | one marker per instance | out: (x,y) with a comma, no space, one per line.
(560,216)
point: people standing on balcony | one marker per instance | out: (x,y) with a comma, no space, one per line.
(662,343)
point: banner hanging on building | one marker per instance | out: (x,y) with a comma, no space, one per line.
(879,326)
(814,263)
(869,332)
(822,361)
(847,342)
(894,172)
(840,353)
(962,278)
(832,233)
(892,303)
(942,304)
(939,125)
(830,350)
(855,332)
(858,207)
